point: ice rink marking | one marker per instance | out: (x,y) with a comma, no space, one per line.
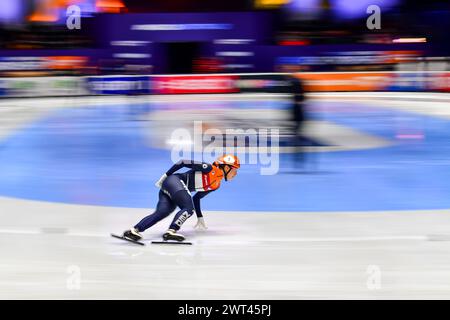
(253,240)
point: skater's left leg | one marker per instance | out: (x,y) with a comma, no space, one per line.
(183,200)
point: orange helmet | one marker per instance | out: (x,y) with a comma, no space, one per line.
(230,160)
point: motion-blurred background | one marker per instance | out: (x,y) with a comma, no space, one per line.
(199,36)
(352,95)
(262,64)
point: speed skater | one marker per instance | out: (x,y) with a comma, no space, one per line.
(175,191)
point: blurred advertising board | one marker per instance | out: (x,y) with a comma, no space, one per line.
(119,85)
(42,86)
(410,81)
(31,64)
(376,81)
(331,60)
(226,83)
(65,62)
(346,81)
(272,83)
(194,84)
(440,81)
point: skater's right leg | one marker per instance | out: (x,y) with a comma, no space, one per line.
(164,207)
(174,192)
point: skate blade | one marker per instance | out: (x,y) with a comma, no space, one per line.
(171,242)
(129,240)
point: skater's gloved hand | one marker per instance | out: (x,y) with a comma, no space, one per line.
(161,180)
(201,225)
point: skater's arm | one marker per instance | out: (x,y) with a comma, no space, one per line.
(195,165)
(196,199)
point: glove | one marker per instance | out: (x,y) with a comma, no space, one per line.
(161,180)
(200,225)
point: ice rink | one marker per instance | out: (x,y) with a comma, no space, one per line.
(367,216)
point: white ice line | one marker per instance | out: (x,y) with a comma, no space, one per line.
(252,240)
(339,239)
(328,239)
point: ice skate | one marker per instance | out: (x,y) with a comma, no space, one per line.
(132,234)
(173,235)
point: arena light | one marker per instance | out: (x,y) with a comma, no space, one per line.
(130,43)
(233,41)
(110,6)
(47,10)
(132,55)
(11,11)
(409,40)
(55,10)
(181,26)
(270,4)
(235,53)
